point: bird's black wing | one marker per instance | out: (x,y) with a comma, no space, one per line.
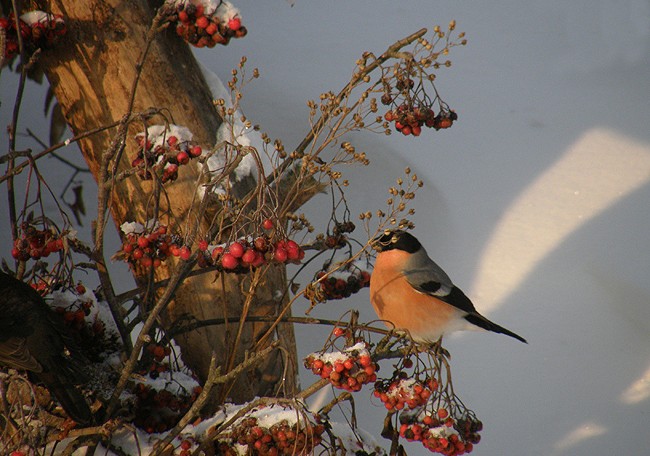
(458,299)
(448,293)
(16,308)
(14,354)
(34,337)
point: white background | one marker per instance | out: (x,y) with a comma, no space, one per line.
(535,202)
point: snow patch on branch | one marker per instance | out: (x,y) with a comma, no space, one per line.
(209,6)
(36,16)
(233,137)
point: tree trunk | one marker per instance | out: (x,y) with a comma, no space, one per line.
(91,74)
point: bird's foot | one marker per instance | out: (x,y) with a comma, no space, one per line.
(438,350)
(401,334)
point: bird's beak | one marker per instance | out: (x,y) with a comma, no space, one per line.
(376,244)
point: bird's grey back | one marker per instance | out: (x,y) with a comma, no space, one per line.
(422,273)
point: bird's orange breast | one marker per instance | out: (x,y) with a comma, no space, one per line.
(399,304)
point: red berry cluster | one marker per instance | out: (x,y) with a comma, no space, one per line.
(398,393)
(411,107)
(282,438)
(206,30)
(37,29)
(185,447)
(151,249)
(75,315)
(41,286)
(410,119)
(169,155)
(85,325)
(160,410)
(35,244)
(441,433)
(343,283)
(348,370)
(336,239)
(8,25)
(468,428)
(242,255)
(343,227)
(156,353)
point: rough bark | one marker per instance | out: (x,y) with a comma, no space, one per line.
(91,74)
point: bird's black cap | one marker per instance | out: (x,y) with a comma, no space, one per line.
(396,239)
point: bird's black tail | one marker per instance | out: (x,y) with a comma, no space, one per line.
(70,398)
(479,320)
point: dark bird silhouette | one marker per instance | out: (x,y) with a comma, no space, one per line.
(34,337)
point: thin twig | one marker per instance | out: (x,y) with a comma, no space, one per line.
(19,167)
(214,378)
(391,52)
(190,326)
(177,277)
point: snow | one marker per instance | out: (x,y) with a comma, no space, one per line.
(442,431)
(357,440)
(99,310)
(174,382)
(232,131)
(32,17)
(63,298)
(403,388)
(355,351)
(234,134)
(137,228)
(132,228)
(353,441)
(268,416)
(158,134)
(227,11)
(359,349)
(224,10)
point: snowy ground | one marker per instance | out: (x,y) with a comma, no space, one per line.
(535,201)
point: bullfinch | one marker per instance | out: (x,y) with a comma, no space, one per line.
(410,291)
